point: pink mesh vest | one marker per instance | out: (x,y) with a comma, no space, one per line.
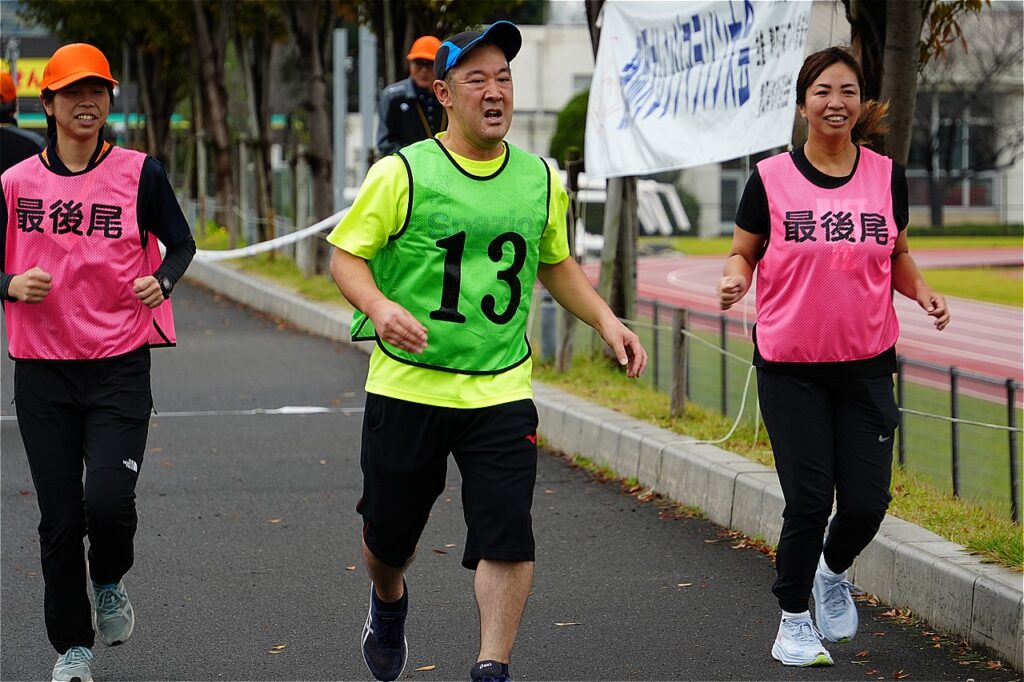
(824,283)
(84,231)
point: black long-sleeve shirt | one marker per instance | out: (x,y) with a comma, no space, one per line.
(158,214)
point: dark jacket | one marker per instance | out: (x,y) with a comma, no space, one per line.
(407,114)
(16,144)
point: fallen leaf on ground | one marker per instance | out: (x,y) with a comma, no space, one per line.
(872,672)
(350,567)
(323,461)
(274,521)
(425,668)
(450,545)
(549,491)
(711,542)
(562,625)
(683,584)
(900,675)
(862,653)
(24,493)
(435,550)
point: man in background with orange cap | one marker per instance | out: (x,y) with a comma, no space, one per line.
(408,110)
(15,144)
(84,291)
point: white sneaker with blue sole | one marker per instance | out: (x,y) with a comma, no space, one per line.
(798,643)
(113,617)
(74,665)
(835,613)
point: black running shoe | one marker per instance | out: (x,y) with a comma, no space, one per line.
(385,649)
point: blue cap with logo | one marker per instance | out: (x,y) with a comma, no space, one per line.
(503,34)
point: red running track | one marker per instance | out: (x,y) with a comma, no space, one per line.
(982,337)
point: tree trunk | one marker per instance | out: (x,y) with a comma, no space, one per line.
(867,37)
(211,35)
(310,24)
(254,54)
(593,8)
(158,89)
(899,80)
(618,269)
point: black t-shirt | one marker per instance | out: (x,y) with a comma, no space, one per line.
(753,215)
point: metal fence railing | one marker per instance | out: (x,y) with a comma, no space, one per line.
(960,430)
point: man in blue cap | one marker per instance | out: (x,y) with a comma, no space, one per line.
(439,255)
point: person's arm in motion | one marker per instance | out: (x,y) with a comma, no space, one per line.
(738,272)
(907,280)
(571,288)
(30,286)
(394,324)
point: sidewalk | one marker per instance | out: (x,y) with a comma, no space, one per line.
(905,566)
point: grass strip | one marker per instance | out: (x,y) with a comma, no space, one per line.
(981,530)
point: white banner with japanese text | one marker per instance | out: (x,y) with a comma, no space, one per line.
(680,84)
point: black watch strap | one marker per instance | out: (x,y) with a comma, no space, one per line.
(166,285)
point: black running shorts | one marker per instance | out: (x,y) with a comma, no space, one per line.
(404,461)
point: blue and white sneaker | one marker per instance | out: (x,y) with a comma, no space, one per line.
(113,617)
(799,643)
(835,614)
(74,665)
(384,646)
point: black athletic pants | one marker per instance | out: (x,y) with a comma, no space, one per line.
(94,415)
(832,439)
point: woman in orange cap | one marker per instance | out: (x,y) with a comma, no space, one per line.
(408,111)
(85,296)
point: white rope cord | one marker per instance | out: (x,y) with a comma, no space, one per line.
(271,244)
(746,388)
(743,399)
(957,420)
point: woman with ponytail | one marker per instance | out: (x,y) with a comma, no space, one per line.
(824,226)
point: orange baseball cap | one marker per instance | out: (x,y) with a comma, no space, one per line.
(8,92)
(72,63)
(425,47)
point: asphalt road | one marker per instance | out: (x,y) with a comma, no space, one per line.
(247,556)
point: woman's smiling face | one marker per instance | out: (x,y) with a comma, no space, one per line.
(81,108)
(832,103)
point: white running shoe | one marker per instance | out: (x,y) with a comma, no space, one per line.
(799,643)
(113,618)
(74,665)
(835,614)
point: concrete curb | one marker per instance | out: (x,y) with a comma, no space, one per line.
(905,565)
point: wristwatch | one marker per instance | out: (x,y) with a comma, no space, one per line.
(166,285)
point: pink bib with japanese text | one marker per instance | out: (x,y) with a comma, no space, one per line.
(824,284)
(83,230)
